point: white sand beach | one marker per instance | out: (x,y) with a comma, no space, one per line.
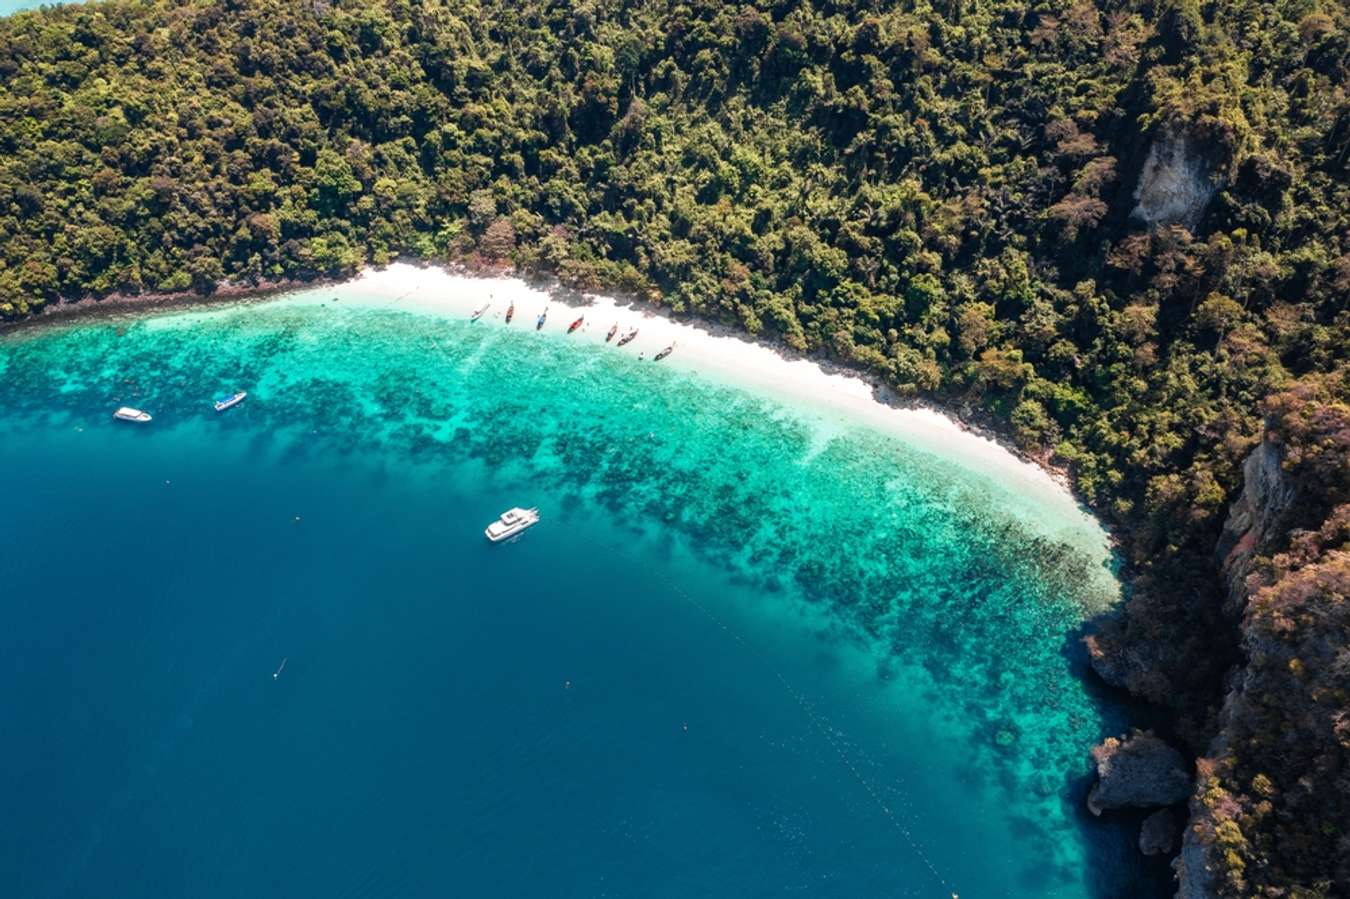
(842,399)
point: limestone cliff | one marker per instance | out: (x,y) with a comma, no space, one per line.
(1176,183)
(1257,520)
(1269,814)
(1255,525)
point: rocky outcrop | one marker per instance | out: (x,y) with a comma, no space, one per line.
(1284,702)
(1176,183)
(1158,833)
(1255,524)
(1138,771)
(1122,666)
(1195,872)
(1256,520)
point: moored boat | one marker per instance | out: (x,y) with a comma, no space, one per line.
(126,413)
(479,314)
(511,523)
(576,324)
(510,311)
(539,322)
(628,337)
(612,331)
(230,399)
(664,353)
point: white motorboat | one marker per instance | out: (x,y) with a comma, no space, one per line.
(126,413)
(511,523)
(225,402)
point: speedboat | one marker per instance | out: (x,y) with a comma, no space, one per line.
(228,400)
(539,322)
(576,324)
(126,413)
(628,337)
(510,311)
(664,353)
(612,331)
(479,314)
(511,523)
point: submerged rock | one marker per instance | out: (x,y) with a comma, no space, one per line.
(1140,771)
(1158,833)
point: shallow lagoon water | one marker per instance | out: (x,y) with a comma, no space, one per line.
(741,656)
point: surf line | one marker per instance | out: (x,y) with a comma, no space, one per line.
(821,726)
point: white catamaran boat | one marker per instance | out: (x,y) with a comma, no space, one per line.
(225,402)
(512,522)
(126,413)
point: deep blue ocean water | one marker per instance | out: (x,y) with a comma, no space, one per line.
(735,659)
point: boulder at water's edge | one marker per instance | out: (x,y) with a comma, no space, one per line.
(1139,771)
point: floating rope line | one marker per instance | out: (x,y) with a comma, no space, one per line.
(821,724)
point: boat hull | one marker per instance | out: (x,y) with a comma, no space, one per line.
(231,402)
(511,524)
(135,416)
(504,535)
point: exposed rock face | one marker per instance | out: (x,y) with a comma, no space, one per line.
(1139,771)
(1158,833)
(1253,525)
(1255,521)
(1195,876)
(1257,526)
(1176,183)
(1121,667)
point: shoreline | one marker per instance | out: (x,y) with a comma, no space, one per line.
(835,396)
(114,304)
(960,433)
(968,418)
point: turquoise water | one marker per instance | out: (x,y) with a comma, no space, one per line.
(737,658)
